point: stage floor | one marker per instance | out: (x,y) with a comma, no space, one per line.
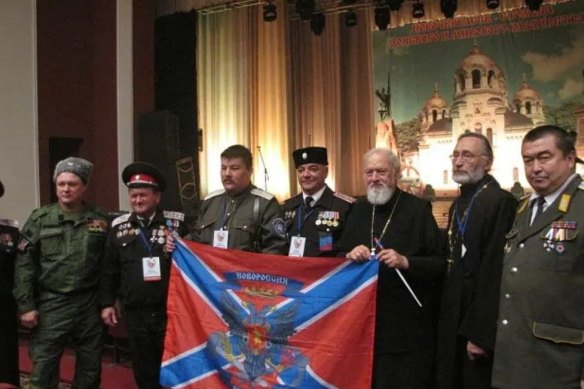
(113,375)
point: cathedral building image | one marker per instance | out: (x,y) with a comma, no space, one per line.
(480,104)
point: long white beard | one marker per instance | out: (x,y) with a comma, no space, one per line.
(379,196)
(468,178)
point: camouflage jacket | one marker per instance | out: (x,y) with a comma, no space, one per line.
(59,253)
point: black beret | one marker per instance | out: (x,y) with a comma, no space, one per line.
(143,174)
(310,155)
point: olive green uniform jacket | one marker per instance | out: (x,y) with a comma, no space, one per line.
(540,328)
(59,255)
(253,219)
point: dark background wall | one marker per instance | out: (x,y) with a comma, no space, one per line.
(77,104)
(170,134)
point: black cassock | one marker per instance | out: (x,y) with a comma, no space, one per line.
(478,220)
(404,332)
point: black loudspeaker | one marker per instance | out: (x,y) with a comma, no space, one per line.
(158,142)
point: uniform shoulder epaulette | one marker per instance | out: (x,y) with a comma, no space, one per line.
(345,197)
(174,215)
(121,219)
(214,194)
(262,193)
(40,212)
(523,201)
(9,223)
(525,197)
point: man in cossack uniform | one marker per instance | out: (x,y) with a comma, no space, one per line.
(240,216)
(316,217)
(137,270)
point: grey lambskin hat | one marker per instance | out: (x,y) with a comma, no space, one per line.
(78,166)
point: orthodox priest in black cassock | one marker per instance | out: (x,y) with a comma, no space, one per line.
(478,221)
(404,331)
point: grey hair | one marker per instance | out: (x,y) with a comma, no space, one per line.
(393,159)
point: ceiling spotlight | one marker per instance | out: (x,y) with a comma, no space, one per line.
(448,8)
(350,18)
(317,23)
(394,5)
(493,4)
(382,18)
(418,10)
(270,12)
(305,9)
(533,4)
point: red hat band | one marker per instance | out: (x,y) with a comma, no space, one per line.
(142,179)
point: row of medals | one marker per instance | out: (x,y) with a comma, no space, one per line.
(126,229)
(328,218)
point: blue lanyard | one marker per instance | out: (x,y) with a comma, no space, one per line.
(301,221)
(145,241)
(462,222)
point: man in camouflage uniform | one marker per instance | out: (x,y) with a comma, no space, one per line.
(240,216)
(316,217)
(137,267)
(56,279)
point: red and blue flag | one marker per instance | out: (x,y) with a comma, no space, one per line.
(247,320)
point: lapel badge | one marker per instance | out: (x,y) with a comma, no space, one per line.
(507,247)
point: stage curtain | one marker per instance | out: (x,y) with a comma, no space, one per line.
(333,98)
(243,94)
(262,85)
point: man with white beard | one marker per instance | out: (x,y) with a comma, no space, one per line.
(399,230)
(478,221)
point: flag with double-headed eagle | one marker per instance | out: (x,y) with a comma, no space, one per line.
(246,320)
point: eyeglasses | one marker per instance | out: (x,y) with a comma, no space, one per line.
(464,156)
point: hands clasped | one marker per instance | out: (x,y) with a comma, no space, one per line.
(390,257)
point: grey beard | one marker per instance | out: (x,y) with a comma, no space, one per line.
(468,178)
(379,196)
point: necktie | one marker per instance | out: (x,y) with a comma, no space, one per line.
(540,203)
(308,202)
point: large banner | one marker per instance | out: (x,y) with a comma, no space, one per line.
(496,73)
(245,320)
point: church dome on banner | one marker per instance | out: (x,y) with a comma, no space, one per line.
(435,109)
(478,73)
(528,102)
(481,104)
(477,59)
(526,92)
